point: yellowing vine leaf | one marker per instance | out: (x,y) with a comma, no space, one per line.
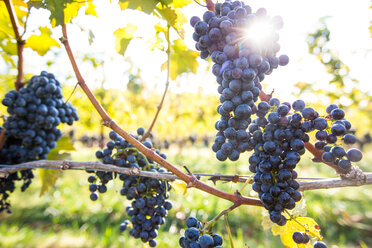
(175,18)
(61,11)
(298,225)
(182,59)
(180,3)
(179,187)
(49,177)
(71,10)
(146,6)
(43,42)
(91,10)
(123,36)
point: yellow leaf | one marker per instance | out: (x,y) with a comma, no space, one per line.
(302,85)
(179,187)
(9,48)
(19,3)
(180,3)
(91,10)
(123,37)
(48,179)
(146,245)
(159,28)
(72,10)
(146,6)
(182,59)
(300,224)
(43,42)
(164,66)
(175,18)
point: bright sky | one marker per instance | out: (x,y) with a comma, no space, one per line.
(348,22)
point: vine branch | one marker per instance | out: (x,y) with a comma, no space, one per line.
(166,87)
(107,121)
(324,183)
(20,43)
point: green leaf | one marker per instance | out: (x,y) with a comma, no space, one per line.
(49,177)
(182,59)
(146,6)
(123,36)
(43,42)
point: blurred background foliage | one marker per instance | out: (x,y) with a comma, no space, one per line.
(65,217)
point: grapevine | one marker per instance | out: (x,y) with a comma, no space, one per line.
(277,133)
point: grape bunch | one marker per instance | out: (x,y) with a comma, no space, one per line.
(195,236)
(31,129)
(241,62)
(327,140)
(278,141)
(35,112)
(148,196)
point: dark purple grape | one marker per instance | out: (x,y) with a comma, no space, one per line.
(194,20)
(319,244)
(354,155)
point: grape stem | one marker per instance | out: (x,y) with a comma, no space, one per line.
(166,86)
(210,5)
(209,225)
(20,43)
(107,121)
(229,231)
(293,218)
(266,97)
(248,181)
(2,138)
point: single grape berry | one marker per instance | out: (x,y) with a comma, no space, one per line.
(354,155)
(319,244)
(298,237)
